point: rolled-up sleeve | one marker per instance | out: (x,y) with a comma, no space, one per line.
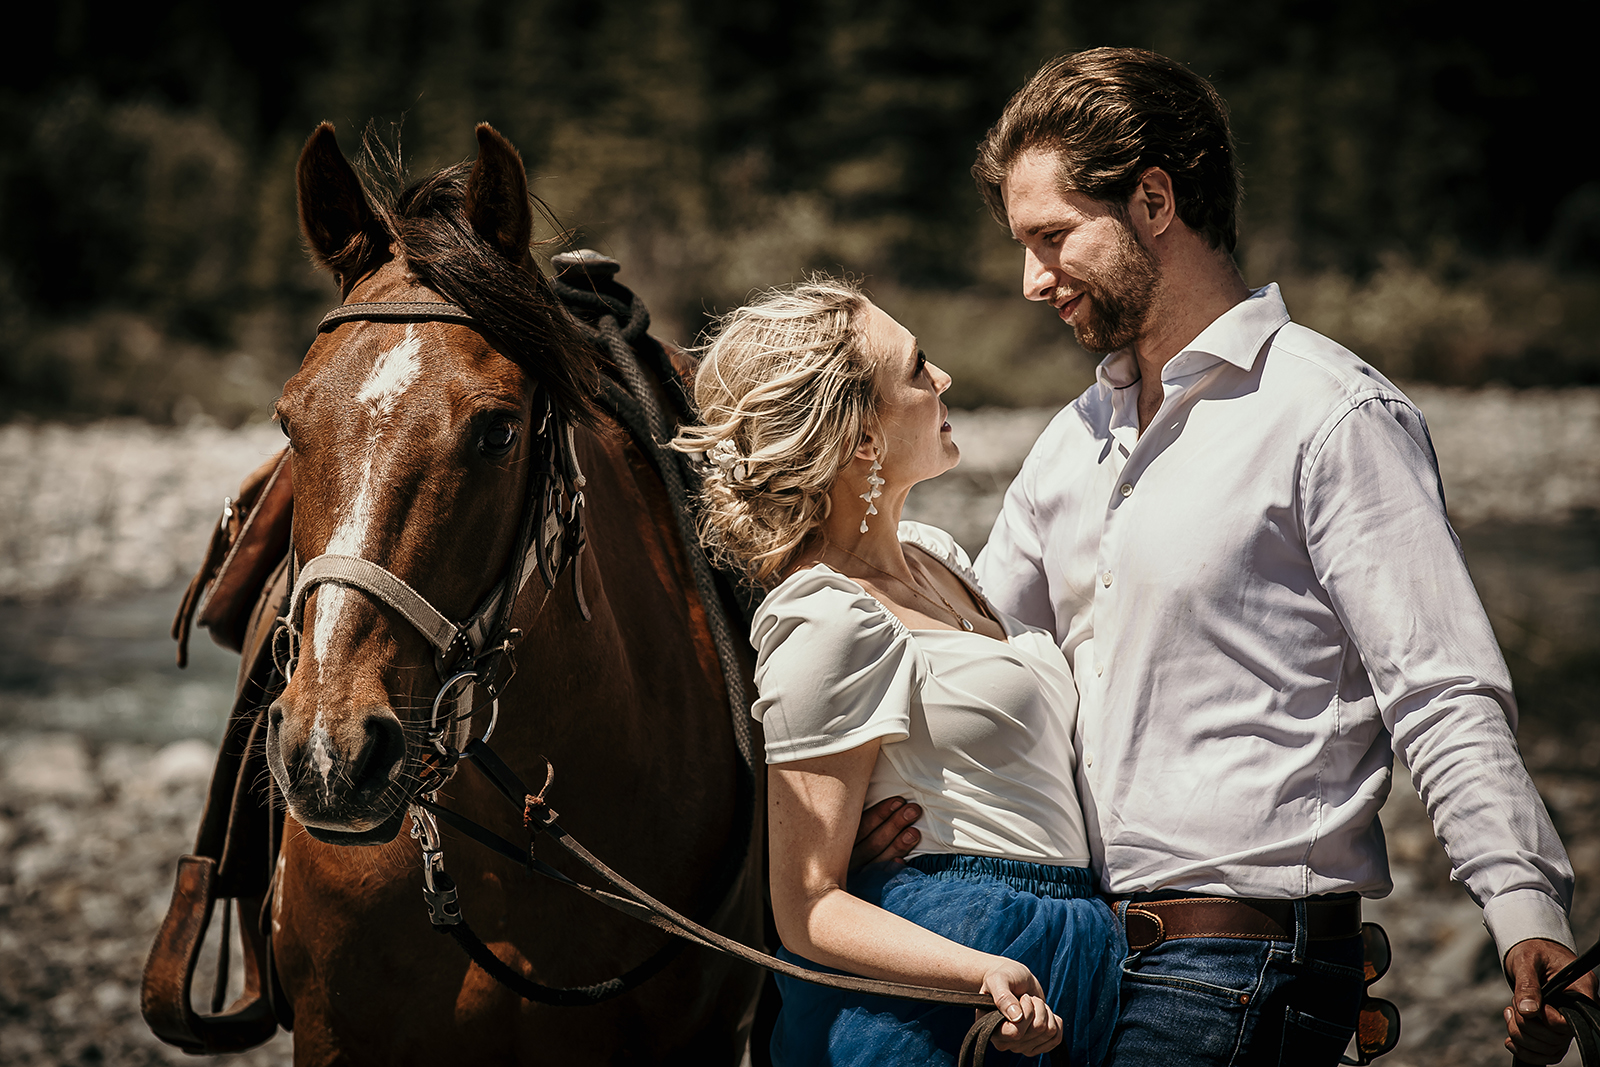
(1383,550)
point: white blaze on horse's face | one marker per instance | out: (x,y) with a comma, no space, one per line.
(378,399)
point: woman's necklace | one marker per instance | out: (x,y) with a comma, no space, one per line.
(966,623)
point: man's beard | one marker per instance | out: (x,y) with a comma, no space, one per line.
(1119,297)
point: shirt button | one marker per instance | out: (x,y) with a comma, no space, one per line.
(1099,669)
(1127,490)
(1105,579)
(1088,759)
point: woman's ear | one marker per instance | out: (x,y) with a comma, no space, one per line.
(867,449)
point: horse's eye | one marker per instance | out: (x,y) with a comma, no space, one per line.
(498,438)
(283,424)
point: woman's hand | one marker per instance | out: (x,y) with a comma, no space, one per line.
(1031,1028)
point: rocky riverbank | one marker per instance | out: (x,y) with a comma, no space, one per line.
(89,837)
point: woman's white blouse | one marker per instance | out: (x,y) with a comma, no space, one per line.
(977,731)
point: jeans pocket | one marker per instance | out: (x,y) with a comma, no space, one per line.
(1311,1042)
(1228,972)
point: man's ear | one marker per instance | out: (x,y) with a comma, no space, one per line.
(1152,207)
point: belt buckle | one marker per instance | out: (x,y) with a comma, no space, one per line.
(1150,931)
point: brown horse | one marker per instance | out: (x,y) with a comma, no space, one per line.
(412,443)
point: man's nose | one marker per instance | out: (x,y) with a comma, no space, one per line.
(1038,281)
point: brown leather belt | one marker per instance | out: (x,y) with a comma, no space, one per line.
(1150,922)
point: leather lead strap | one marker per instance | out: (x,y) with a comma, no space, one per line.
(559,996)
(976,1044)
(1581,1013)
(632,900)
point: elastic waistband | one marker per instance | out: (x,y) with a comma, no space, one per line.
(1040,879)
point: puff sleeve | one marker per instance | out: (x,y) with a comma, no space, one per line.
(833,668)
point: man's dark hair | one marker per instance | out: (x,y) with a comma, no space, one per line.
(1109,114)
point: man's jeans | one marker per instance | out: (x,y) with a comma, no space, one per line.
(1227,1001)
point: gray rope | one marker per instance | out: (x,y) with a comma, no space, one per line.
(654,434)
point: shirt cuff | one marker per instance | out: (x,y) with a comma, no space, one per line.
(1523,914)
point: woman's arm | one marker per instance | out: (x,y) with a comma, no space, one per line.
(814,806)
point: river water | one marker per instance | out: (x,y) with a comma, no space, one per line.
(104,743)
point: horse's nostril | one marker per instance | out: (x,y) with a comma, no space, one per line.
(385,747)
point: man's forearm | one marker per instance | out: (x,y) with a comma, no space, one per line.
(1502,845)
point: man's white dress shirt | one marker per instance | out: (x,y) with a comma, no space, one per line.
(1258,597)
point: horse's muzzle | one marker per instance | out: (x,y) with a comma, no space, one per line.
(342,777)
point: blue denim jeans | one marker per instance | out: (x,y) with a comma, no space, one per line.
(1227,1002)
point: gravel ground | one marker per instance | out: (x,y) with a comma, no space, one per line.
(97,524)
(89,839)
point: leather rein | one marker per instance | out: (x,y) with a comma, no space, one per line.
(477,653)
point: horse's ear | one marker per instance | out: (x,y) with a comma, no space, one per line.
(497,196)
(334,213)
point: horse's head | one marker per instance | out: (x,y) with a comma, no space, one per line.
(412,451)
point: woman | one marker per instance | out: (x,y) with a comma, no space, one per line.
(881,671)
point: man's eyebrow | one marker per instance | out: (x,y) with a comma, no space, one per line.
(1043,227)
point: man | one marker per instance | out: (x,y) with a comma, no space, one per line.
(1238,537)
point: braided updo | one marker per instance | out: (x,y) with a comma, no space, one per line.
(786,391)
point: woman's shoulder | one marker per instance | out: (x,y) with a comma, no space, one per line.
(833,666)
(824,607)
(941,546)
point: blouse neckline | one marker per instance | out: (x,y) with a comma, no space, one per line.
(900,623)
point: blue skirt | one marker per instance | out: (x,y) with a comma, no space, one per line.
(1044,917)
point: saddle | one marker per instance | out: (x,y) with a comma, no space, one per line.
(239,591)
(250,540)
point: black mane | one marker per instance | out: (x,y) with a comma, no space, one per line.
(426,222)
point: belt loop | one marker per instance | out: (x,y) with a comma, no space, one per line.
(1302,931)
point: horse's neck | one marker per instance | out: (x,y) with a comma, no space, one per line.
(648,633)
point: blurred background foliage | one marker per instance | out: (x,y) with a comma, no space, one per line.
(1413,177)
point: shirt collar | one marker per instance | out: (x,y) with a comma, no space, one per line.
(1236,336)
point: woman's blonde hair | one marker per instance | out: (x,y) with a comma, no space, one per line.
(786,391)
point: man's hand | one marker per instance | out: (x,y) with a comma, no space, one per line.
(885,833)
(1538,1033)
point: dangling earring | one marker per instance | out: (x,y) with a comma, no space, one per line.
(873,491)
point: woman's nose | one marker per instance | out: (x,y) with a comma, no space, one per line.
(941,380)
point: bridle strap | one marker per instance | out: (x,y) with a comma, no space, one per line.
(369,577)
(398,311)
